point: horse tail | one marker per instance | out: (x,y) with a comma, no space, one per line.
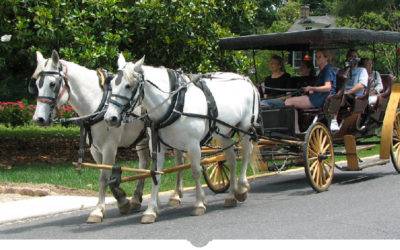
(256,160)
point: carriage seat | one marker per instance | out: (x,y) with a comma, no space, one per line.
(332,102)
(331,105)
(383,97)
(361,102)
(378,109)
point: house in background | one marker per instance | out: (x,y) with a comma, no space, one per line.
(307,22)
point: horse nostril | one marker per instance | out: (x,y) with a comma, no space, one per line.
(114,119)
(39,120)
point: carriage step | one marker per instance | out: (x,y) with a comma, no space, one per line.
(367,164)
(358,149)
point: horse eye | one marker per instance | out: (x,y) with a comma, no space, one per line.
(52,84)
(128,86)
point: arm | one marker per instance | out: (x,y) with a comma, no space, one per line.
(359,86)
(326,88)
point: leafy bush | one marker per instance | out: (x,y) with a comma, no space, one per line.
(16,113)
(20,113)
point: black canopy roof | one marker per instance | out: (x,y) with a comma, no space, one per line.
(330,38)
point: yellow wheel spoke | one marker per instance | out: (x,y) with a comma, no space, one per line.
(213,172)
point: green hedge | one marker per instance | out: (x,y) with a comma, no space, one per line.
(176,34)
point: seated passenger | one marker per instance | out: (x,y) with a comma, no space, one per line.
(316,95)
(374,77)
(307,76)
(358,81)
(278,79)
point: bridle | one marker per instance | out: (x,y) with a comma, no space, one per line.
(61,79)
(134,100)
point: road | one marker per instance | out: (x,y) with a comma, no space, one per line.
(358,205)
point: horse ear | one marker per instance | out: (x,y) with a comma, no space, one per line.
(39,57)
(138,65)
(121,61)
(55,58)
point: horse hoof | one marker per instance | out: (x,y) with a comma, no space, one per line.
(174,202)
(247,187)
(230,203)
(148,219)
(94,219)
(198,211)
(241,197)
(134,205)
(124,206)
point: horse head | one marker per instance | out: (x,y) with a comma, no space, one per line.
(127,87)
(50,83)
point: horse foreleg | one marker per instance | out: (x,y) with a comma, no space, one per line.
(243,185)
(109,154)
(144,163)
(230,200)
(200,204)
(175,199)
(98,214)
(152,211)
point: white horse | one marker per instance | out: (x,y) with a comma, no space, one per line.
(58,82)
(238,104)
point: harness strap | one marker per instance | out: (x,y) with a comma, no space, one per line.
(155,143)
(177,102)
(212,110)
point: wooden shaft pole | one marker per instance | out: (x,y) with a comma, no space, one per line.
(109,167)
(217,158)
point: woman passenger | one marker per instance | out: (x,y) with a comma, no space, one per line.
(278,79)
(315,95)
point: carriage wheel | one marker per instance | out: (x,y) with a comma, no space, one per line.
(319,157)
(216,175)
(395,148)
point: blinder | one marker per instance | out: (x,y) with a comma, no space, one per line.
(32,88)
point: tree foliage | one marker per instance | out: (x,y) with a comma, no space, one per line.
(386,16)
(357,8)
(173,33)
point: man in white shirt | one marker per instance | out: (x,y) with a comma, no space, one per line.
(358,81)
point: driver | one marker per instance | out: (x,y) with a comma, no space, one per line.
(316,95)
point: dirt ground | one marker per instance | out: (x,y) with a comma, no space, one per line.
(18,191)
(26,152)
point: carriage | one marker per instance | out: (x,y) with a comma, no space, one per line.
(315,149)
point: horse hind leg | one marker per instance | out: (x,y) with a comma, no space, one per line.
(175,199)
(144,163)
(230,200)
(243,185)
(200,203)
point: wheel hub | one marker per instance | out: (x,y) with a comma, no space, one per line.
(322,157)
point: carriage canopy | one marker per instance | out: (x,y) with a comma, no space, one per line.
(330,38)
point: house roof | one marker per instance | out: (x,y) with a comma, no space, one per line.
(330,38)
(314,22)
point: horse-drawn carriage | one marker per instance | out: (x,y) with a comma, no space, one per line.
(316,148)
(184,125)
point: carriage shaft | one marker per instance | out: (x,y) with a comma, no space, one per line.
(216,158)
